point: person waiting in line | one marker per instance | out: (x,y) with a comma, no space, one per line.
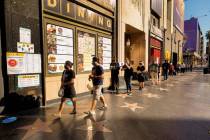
(153,68)
(67,83)
(140,74)
(97,77)
(159,73)
(171,69)
(165,68)
(128,73)
(115,67)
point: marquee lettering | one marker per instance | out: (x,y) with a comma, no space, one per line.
(109,23)
(68,7)
(81,12)
(101,20)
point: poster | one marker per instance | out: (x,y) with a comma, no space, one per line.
(15,63)
(25,47)
(21,63)
(60,45)
(28,81)
(59,58)
(55,68)
(105,51)
(25,35)
(86,50)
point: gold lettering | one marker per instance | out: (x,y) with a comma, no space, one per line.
(100,20)
(52,3)
(109,23)
(81,12)
(90,15)
(68,7)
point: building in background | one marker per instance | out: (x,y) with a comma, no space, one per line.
(156,38)
(193,49)
(133,28)
(174,38)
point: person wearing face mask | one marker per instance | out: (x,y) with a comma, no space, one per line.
(67,83)
(97,77)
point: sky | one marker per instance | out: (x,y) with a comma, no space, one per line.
(199,8)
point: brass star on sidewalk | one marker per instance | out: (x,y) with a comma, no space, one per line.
(37,126)
(92,127)
(133,106)
(163,89)
(123,96)
(150,95)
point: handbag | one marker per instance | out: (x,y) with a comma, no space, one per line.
(61,92)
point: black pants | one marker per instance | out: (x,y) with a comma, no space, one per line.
(128,83)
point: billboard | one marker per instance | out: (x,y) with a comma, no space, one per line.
(157,6)
(179,14)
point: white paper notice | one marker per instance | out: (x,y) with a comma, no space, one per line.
(28,81)
(21,63)
(25,35)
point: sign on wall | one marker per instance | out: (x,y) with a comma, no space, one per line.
(86,50)
(60,47)
(28,81)
(105,51)
(21,63)
(79,13)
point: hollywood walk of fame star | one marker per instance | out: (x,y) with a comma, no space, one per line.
(92,127)
(123,96)
(150,95)
(163,89)
(132,107)
(36,127)
(170,85)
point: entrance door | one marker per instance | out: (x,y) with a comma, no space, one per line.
(175,60)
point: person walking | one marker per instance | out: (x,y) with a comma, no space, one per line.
(67,83)
(153,68)
(165,67)
(140,74)
(128,72)
(97,77)
(171,69)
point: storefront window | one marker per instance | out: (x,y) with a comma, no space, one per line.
(86,50)
(105,51)
(60,47)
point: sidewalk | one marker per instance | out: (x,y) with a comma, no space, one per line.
(177,109)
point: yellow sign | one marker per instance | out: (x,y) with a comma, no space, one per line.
(167,55)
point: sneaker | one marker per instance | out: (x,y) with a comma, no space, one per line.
(73,112)
(90,113)
(129,93)
(103,107)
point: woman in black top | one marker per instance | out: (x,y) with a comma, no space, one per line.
(67,83)
(140,72)
(127,75)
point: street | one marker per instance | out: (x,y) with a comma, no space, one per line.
(178,109)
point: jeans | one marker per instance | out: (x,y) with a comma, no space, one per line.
(128,83)
(165,74)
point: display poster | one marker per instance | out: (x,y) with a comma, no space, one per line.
(86,50)
(25,47)
(105,51)
(60,46)
(28,81)
(15,63)
(25,35)
(21,63)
